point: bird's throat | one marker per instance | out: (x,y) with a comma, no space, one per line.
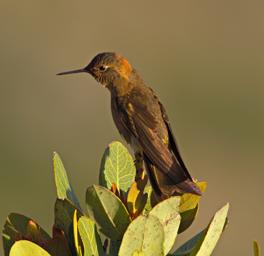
(120,87)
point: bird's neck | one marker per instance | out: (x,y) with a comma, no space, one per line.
(122,86)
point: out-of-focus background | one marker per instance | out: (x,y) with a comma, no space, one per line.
(205,59)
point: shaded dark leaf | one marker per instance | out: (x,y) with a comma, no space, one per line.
(108,211)
(64,213)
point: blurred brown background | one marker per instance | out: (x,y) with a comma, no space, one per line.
(205,59)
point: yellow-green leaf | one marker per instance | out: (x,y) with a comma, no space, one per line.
(64,189)
(90,238)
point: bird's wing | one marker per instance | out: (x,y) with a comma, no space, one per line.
(172,141)
(143,116)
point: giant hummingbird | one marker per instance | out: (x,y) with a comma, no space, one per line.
(142,120)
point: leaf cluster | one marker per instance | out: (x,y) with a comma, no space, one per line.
(121,218)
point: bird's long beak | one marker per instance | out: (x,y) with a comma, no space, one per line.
(76,71)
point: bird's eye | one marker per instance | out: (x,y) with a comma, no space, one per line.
(103,68)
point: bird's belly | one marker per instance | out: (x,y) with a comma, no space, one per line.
(134,143)
(123,125)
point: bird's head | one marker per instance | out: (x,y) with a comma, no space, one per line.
(107,68)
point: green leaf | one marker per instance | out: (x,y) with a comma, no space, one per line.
(114,247)
(27,248)
(204,243)
(90,237)
(167,212)
(187,248)
(18,227)
(256,248)
(117,166)
(187,218)
(64,189)
(108,211)
(144,236)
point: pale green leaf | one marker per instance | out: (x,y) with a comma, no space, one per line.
(144,236)
(204,243)
(27,248)
(167,212)
(214,232)
(117,167)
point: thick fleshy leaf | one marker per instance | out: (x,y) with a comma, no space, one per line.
(144,236)
(27,248)
(204,243)
(108,211)
(64,189)
(117,167)
(64,216)
(189,207)
(90,238)
(19,227)
(256,248)
(167,212)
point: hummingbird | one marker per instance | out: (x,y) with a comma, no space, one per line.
(142,121)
